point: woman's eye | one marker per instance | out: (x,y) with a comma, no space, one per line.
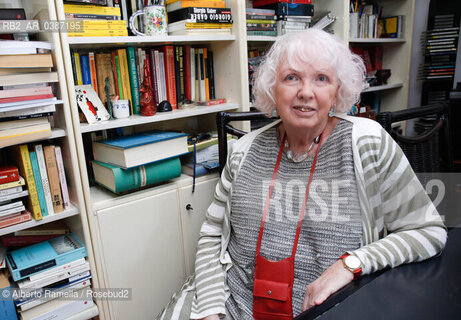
(322,78)
(291,77)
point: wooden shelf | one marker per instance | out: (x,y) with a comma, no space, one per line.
(117,41)
(33,223)
(376,40)
(383,87)
(160,116)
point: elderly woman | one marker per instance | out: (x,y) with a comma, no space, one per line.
(309,203)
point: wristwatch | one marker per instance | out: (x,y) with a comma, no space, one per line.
(352,263)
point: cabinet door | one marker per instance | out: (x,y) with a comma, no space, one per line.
(142,248)
(193,210)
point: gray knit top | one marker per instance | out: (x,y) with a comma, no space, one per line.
(331,225)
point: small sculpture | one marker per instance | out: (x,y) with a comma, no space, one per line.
(148,107)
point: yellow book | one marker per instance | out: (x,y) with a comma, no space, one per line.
(125,76)
(20,155)
(101,33)
(172,5)
(193,25)
(78,69)
(89,9)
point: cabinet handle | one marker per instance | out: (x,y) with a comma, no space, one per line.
(189,207)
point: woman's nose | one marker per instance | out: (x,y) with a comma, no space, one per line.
(306,90)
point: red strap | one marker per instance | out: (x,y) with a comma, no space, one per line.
(271,189)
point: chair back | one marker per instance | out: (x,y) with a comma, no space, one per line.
(425,150)
(223,126)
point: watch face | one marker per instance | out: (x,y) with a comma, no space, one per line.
(352,262)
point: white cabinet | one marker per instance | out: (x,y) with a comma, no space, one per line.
(193,210)
(141,245)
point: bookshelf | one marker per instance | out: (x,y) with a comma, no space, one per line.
(62,133)
(139,215)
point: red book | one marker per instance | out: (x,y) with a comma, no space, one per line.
(21,241)
(168,56)
(8,174)
(259,3)
(26,98)
(377,57)
(187,73)
(211,102)
(23,217)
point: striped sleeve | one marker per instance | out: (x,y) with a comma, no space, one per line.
(400,208)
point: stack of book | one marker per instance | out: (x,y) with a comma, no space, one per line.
(86,20)
(42,171)
(46,272)
(26,98)
(292,15)
(261,22)
(12,209)
(186,17)
(177,73)
(131,162)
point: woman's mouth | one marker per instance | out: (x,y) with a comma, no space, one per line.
(304,109)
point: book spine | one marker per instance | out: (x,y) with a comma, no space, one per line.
(195,3)
(125,77)
(9,191)
(210,70)
(202,75)
(26,98)
(12,211)
(74,67)
(177,74)
(104,76)
(21,241)
(133,75)
(23,217)
(24,159)
(28,116)
(187,82)
(6,186)
(91,16)
(44,176)
(153,76)
(115,74)
(9,174)
(137,177)
(86,75)
(162,75)
(260,17)
(33,91)
(205,71)
(197,74)
(62,178)
(192,73)
(158,77)
(38,182)
(181,74)
(53,178)
(201,15)
(90,9)
(94,81)
(119,78)
(168,52)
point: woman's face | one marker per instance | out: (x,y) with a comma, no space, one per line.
(304,95)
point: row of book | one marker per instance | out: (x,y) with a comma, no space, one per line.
(366,21)
(46,264)
(278,18)
(41,170)
(177,73)
(25,108)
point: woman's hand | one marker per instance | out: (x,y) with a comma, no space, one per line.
(333,279)
(211,317)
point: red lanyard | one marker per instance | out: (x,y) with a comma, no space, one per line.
(271,189)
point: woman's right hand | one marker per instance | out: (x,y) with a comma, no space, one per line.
(211,317)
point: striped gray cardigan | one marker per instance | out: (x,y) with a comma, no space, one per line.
(400,223)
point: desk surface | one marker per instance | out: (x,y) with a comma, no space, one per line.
(426,290)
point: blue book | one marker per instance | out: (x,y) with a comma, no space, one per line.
(38,183)
(85,65)
(7,309)
(140,149)
(33,259)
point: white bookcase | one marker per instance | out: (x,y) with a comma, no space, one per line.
(144,240)
(62,134)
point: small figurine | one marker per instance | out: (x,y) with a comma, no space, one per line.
(148,107)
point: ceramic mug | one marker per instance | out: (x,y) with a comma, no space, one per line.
(154,21)
(121,109)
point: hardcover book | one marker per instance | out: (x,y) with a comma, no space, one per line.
(140,149)
(33,259)
(44,177)
(9,174)
(7,309)
(119,180)
(53,178)
(38,182)
(13,184)
(23,217)
(55,228)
